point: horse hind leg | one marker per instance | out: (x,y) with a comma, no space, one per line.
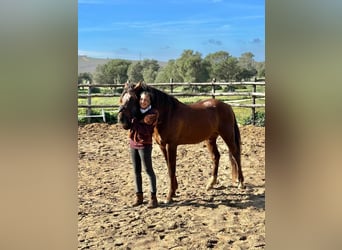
(215,156)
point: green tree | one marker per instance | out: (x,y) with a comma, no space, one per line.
(246,61)
(216,64)
(114,71)
(222,66)
(189,66)
(247,65)
(231,69)
(134,72)
(260,67)
(150,70)
(167,72)
(162,75)
(146,70)
(85,77)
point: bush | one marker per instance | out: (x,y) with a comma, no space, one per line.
(259,119)
(229,88)
(95,90)
(111,118)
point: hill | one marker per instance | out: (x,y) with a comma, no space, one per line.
(89,64)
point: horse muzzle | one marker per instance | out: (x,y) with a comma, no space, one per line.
(124,121)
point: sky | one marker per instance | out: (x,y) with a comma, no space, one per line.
(162,30)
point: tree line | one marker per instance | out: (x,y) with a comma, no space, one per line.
(189,67)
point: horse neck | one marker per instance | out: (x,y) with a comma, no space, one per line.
(167,113)
(166,104)
(164,112)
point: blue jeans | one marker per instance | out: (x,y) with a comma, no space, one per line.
(143,157)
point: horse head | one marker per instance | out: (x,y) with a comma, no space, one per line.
(129,104)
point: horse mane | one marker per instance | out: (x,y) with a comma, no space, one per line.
(160,99)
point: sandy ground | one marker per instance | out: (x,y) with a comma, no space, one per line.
(222,218)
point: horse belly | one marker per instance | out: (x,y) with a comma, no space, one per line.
(196,134)
(191,126)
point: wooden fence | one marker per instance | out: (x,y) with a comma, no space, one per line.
(170,89)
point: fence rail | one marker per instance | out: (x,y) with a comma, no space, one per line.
(256,94)
(170,89)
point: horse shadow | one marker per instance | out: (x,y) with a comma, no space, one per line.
(240,199)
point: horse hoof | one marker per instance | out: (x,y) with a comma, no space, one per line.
(241,186)
(213,180)
(209,186)
(168,201)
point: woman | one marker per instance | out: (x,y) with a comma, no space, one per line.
(141,148)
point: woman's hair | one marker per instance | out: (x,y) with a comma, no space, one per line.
(149,94)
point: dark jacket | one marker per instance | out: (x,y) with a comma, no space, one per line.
(142,129)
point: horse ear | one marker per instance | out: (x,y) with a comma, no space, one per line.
(128,85)
(144,85)
(140,85)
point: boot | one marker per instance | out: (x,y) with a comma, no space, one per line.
(153,203)
(138,199)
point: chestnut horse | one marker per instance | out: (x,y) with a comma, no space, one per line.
(186,124)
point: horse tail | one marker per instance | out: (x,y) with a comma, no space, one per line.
(237,171)
(237,136)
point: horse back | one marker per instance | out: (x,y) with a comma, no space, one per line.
(214,106)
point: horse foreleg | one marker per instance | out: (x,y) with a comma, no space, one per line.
(163,149)
(171,164)
(215,156)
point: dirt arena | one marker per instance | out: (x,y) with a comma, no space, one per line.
(222,218)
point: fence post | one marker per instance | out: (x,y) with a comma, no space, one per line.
(171,85)
(114,86)
(253,108)
(89,104)
(213,88)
